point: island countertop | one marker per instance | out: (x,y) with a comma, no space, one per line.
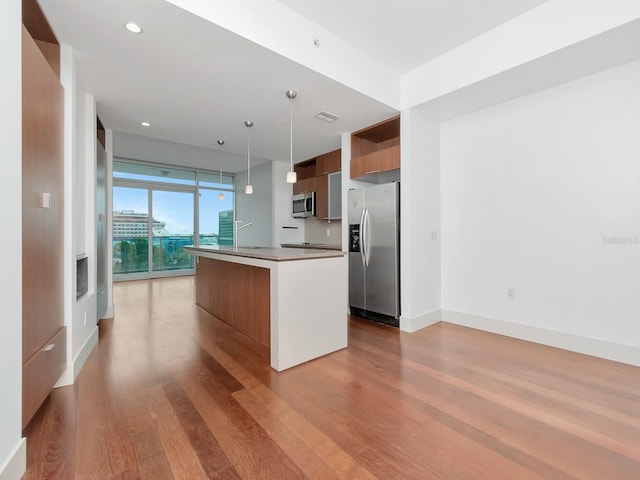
(266,253)
(291,300)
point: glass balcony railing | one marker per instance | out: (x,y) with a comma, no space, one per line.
(169,254)
(131,254)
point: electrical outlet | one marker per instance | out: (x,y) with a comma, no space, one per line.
(328,232)
(511,293)
(85,319)
(434,236)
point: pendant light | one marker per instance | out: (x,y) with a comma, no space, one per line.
(248,189)
(291,174)
(221,193)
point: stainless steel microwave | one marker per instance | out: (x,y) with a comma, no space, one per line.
(304,205)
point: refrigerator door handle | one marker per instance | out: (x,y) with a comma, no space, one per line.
(367,246)
(362,239)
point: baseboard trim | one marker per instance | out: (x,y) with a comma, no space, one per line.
(575,343)
(109,312)
(413,324)
(85,351)
(16,464)
(71,373)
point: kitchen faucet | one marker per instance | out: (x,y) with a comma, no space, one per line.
(237,228)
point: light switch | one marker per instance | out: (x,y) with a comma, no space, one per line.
(45,200)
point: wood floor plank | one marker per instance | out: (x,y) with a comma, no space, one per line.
(183,460)
(587,425)
(152,460)
(172,392)
(236,429)
(342,463)
(52,455)
(203,443)
(424,430)
(583,408)
(569,372)
(232,439)
(131,474)
(426,426)
(518,430)
(92,458)
(291,444)
(221,375)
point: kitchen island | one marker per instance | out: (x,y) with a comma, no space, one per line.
(293,301)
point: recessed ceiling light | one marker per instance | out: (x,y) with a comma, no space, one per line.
(133,27)
(145,124)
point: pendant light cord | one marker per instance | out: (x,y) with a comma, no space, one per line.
(291,131)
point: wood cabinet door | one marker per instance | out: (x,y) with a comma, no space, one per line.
(303,186)
(329,163)
(42,225)
(382,160)
(41,372)
(359,167)
(322,197)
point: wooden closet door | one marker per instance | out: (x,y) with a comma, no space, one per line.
(42,227)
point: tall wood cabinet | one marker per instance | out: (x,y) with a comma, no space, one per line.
(43,331)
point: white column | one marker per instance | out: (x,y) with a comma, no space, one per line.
(12,446)
(420,275)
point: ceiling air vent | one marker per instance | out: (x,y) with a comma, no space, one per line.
(328,117)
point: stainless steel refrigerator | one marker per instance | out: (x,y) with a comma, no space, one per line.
(374,253)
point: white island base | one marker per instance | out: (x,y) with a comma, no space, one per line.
(307,299)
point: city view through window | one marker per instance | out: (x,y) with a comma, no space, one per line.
(155,206)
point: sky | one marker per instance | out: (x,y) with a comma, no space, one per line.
(175,208)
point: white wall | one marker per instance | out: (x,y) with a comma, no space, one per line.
(323,231)
(544,31)
(419,221)
(12,447)
(532,192)
(256,208)
(136,147)
(282,192)
(79,165)
(85,330)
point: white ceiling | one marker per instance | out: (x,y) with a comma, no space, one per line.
(196,82)
(404,34)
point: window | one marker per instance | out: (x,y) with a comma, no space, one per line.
(154,205)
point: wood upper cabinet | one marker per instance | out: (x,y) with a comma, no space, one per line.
(329,163)
(313,177)
(304,185)
(306,173)
(376,149)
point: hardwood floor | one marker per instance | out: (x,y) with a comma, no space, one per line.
(171,392)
